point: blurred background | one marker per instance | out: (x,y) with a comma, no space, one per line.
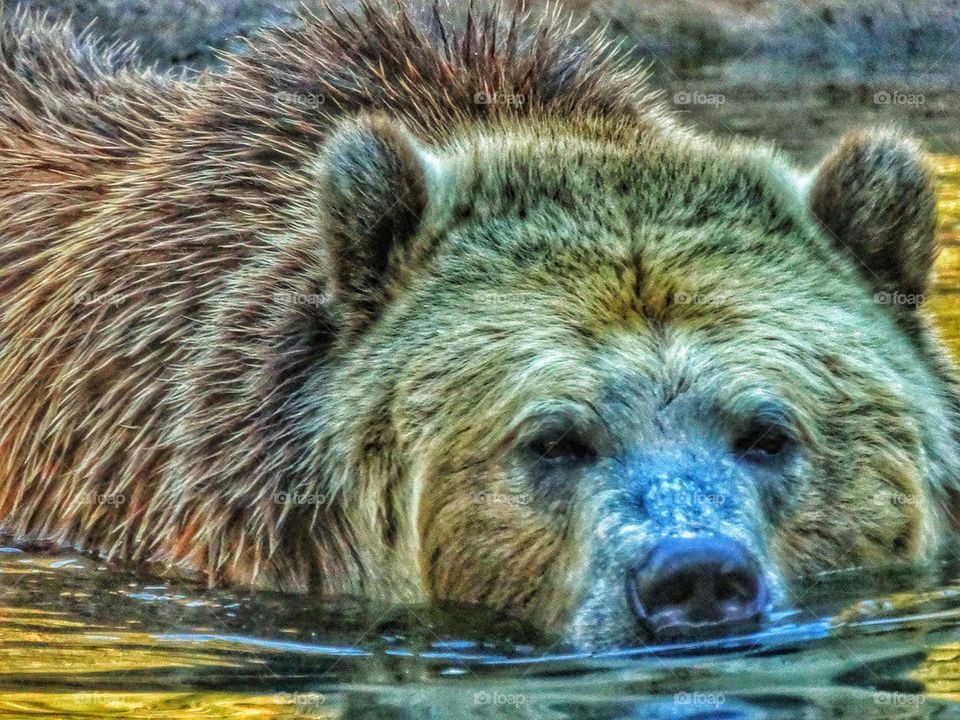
(747,66)
(844,41)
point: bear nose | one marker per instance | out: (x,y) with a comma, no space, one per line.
(697,587)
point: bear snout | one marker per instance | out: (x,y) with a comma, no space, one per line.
(697,587)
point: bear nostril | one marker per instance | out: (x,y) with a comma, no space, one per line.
(736,585)
(681,591)
(697,587)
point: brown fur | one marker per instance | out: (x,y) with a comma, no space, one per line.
(330,273)
(164,196)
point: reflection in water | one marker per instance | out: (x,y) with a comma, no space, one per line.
(80,640)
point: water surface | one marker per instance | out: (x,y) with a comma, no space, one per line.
(79,639)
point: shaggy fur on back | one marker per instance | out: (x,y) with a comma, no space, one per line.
(150,409)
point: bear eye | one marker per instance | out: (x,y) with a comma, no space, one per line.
(562,444)
(764,440)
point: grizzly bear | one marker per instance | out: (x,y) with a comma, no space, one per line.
(418,304)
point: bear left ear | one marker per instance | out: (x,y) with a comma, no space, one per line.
(374,192)
(874,195)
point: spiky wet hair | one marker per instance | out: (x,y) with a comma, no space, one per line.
(184,201)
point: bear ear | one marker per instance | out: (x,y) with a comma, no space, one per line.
(874,195)
(375,182)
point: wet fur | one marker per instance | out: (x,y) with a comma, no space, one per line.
(193,390)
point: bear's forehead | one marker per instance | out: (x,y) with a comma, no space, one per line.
(602,272)
(640,175)
(650,240)
(665,206)
(602,312)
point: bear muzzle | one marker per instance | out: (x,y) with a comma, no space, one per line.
(697,587)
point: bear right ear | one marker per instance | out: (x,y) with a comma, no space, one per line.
(874,196)
(374,191)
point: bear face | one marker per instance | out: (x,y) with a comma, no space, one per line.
(621,362)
